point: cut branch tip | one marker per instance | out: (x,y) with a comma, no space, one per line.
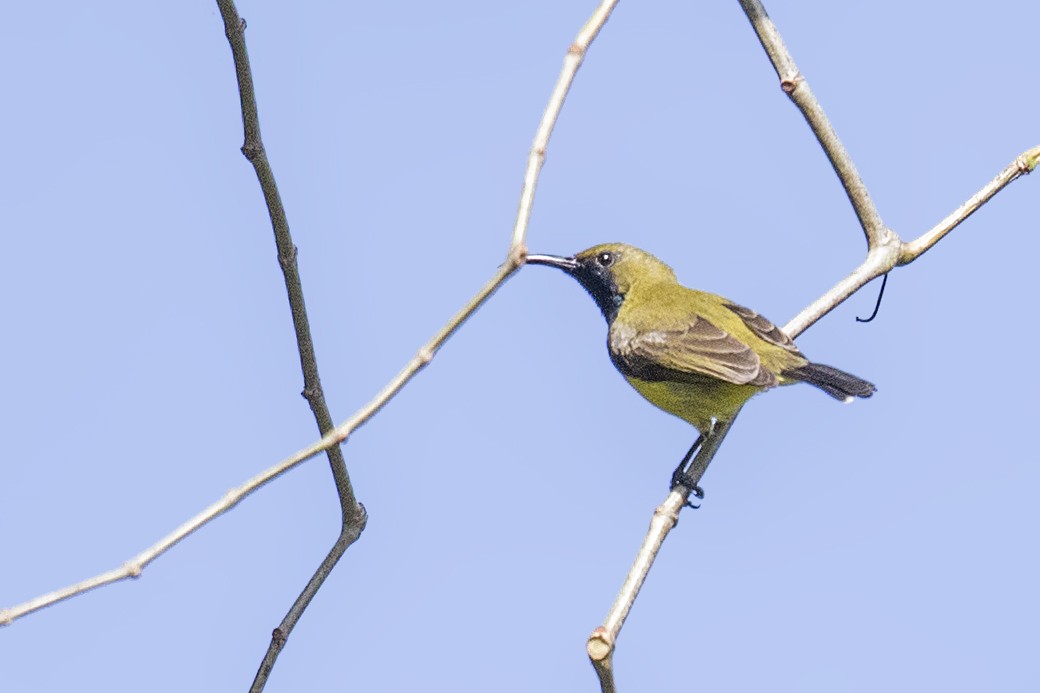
(600,644)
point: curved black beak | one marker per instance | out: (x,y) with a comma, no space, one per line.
(567,264)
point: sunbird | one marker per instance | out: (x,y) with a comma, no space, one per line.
(693,354)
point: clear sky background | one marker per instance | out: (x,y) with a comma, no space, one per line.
(149,363)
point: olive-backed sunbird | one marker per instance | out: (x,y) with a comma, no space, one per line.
(693,354)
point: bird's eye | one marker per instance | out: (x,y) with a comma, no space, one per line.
(605,259)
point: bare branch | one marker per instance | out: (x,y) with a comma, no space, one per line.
(253,149)
(1021,166)
(138,563)
(878,262)
(571,63)
(514,259)
(352,514)
(795,86)
(601,643)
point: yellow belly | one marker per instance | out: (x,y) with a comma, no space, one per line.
(697,403)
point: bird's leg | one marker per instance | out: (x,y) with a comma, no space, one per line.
(679,475)
(681,478)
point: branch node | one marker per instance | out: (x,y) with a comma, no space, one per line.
(253,151)
(600,644)
(517,256)
(424,356)
(789,84)
(362,520)
(288,259)
(669,512)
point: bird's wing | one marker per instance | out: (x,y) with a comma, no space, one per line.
(689,354)
(763,328)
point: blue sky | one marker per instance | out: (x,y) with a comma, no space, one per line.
(149,362)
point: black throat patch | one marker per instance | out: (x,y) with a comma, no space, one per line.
(598,281)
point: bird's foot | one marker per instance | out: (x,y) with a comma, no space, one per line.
(680,478)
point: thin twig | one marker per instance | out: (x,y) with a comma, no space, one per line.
(795,86)
(1021,166)
(885,252)
(894,253)
(138,563)
(878,262)
(571,63)
(281,633)
(352,513)
(514,259)
(600,645)
(253,149)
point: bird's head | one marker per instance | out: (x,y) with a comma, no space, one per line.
(609,271)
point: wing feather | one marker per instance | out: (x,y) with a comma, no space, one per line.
(691,354)
(764,328)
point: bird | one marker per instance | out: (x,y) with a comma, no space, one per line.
(694,354)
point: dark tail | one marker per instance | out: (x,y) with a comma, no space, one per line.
(837,384)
